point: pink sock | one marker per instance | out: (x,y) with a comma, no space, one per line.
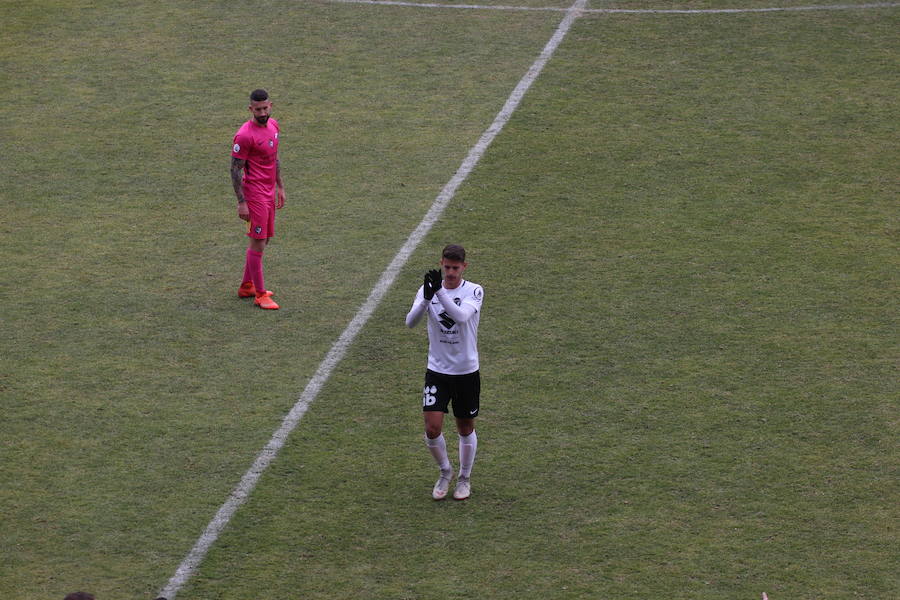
(254,268)
(248,276)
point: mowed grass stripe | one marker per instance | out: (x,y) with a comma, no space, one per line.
(264,459)
(134,378)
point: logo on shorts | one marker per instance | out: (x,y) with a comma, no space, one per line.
(428,397)
(257,230)
(237,148)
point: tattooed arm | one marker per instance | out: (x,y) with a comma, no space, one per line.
(237,171)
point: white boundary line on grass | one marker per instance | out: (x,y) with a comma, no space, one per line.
(248,482)
(631,11)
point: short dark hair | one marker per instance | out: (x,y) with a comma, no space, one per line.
(259,95)
(454,252)
(79,596)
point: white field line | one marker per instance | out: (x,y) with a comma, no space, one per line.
(708,11)
(633,11)
(248,482)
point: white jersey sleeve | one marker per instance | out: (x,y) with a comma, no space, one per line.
(418,309)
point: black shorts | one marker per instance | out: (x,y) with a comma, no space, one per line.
(464,391)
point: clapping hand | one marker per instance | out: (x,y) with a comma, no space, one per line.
(431,284)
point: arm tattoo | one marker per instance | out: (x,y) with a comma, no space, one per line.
(237,169)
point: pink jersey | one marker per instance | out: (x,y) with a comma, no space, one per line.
(258,145)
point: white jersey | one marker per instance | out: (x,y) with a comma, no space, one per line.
(453,317)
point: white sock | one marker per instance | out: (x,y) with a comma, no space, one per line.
(468,445)
(438,449)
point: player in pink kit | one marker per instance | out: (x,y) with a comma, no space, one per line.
(256,177)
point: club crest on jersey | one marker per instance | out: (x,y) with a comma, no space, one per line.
(478,294)
(257,230)
(457,301)
(237,148)
(271,143)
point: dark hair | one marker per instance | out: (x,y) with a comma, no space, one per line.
(454,252)
(259,95)
(79,596)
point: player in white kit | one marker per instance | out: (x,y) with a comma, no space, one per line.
(453,306)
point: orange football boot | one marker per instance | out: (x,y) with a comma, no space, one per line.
(248,290)
(265,301)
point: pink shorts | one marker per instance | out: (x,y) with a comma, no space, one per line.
(262,220)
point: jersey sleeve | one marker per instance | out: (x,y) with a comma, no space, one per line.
(418,309)
(476,298)
(241,146)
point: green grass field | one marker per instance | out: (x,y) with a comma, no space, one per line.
(688,239)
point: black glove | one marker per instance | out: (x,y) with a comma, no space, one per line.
(428,288)
(436,279)
(431,284)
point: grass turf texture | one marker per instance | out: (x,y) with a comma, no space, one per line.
(687,237)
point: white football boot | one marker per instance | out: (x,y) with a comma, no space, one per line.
(463,489)
(442,486)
